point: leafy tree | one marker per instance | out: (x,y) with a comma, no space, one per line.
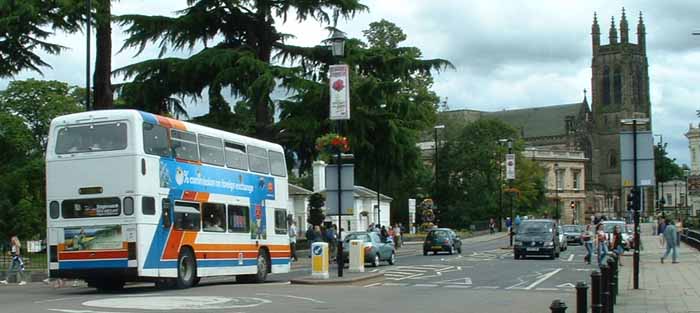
(241,59)
(468,188)
(24,28)
(26,110)
(36,102)
(666,168)
(104,98)
(384,34)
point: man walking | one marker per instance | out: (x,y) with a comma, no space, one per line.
(293,240)
(670,234)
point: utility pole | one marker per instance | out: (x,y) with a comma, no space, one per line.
(510,175)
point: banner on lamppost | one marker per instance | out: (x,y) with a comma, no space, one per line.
(510,166)
(339,78)
(411,210)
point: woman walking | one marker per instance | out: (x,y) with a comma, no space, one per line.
(17,265)
(602,243)
(616,245)
(587,239)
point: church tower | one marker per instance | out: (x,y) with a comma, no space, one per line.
(620,89)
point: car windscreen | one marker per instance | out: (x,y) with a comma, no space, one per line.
(358,236)
(572,229)
(536,227)
(610,227)
(438,234)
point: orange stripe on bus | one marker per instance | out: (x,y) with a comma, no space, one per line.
(202,196)
(226,255)
(189,238)
(170,123)
(87,255)
(189,195)
(172,247)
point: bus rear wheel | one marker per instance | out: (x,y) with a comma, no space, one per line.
(262,265)
(186,269)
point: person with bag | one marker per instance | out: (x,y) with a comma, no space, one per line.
(587,239)
(602,243)
(17,264)
(616,244)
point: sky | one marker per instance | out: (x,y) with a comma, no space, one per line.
(507,54)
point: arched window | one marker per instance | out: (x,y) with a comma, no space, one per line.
(612,159)
(617,85)
(606,86)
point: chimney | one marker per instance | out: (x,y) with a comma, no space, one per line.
(319,168)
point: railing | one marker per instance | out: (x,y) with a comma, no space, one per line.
(691,237)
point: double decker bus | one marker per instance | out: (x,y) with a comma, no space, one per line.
(134,196)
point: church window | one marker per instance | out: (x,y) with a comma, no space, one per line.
(617,85)
(612,159)
(606,86)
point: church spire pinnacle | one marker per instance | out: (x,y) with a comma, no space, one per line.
(624,28)
(595,33)
(613,32)
(641,35)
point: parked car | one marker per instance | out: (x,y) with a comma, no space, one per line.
(562,239)
(376,250)
(572,233)
(442,240)
(537,237)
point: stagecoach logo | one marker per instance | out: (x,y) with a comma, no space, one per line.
(179,176)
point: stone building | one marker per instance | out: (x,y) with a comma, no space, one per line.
(619,90)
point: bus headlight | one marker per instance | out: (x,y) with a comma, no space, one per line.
(128,206)
(54,209)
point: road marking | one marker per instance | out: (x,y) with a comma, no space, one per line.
(372,285)
(571,258)
(54,300)
(166,303)
(394,284)
(457,286)
(545,277)
(459,281)
(291,297)
(547,289)
(425,285)
(80,311)
(584,269)
(567,285)
(487,287)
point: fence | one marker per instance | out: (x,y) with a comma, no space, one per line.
(32,260)
(691,237)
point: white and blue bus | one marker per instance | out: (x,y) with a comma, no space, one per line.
(134,196)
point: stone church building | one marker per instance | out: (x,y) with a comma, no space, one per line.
(580,141)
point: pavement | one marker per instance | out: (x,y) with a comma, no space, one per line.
(671,288)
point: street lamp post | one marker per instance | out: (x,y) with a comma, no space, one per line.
(675,195)
(499,156)
(686,173)
(636,207)
(656,171)
(510,191)
(435,187)
(338,50)
(376,174)
(88,21)
(556,190)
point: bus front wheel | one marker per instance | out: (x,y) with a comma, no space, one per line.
(186,269)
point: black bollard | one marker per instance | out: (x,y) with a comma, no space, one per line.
(604,284)
(581,301)
(558,306)
(612,267)
(596,307)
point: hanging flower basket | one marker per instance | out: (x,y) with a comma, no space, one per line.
(332,144)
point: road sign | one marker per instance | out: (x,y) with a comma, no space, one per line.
(510,166)
(645,159)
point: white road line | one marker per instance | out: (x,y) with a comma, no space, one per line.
(54,300)
(487,287)
(571,258)
(450,270)
(547,289)
(394,284)
(404,277)
(399,273)
(545,277)
(291,297)
(425,285)
(80,311)
(372,285)
(457,286)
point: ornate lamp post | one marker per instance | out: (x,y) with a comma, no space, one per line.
(435,202)
(338,50)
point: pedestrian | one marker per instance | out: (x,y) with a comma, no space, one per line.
(331,238)
(587,239)
(397,235)
(293,240)
(17,264)
(492,226)
(661,229)
(517,223)
(679,230)
(670,234)
(509,225)
(602,244)
(383,233)
(616,243)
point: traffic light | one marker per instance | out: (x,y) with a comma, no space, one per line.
(630,200)
(573,205)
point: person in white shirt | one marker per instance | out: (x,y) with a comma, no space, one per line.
(293,240)
(397,235)
(17,265)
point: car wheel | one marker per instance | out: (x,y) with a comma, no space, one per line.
(375,261)
(186,269)
(392,259)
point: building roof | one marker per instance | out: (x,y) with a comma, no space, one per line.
(539,121)
(297,190)
(364,192)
